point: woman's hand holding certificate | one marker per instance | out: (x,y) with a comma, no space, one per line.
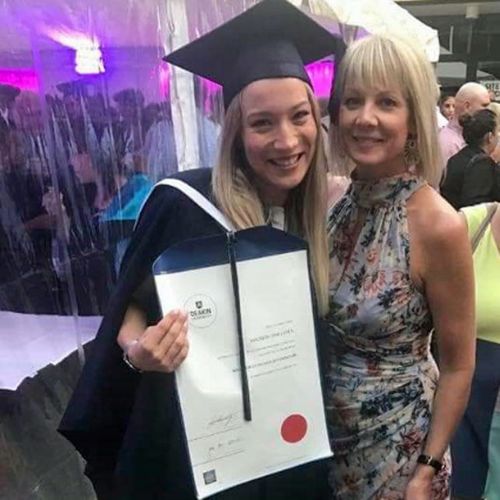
(162,347)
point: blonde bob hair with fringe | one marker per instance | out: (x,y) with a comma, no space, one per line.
(389,62)
(236,194)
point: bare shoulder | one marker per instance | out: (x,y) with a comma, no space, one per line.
(439,245)
(434,222)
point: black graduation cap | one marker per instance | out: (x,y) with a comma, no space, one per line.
(129,96)
(8,92)
(72,88)
(273,39)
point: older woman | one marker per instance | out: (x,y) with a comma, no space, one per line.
(399,257)
(127,424)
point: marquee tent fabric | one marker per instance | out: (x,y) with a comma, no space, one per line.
(380,17)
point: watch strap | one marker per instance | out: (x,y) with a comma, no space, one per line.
(431,461)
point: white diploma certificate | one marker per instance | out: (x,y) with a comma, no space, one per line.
(288,425)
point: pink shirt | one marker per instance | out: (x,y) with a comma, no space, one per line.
(450,140)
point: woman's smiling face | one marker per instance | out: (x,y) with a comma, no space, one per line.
(374,129)
(279,135)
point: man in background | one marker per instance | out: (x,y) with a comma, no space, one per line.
(471,97)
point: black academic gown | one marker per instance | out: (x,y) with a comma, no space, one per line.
(128,425)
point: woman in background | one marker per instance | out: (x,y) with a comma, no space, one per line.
(447,106)
(472,176)
(476,445)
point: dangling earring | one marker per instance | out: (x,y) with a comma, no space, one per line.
(411,155)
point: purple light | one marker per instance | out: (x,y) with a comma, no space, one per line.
(210,87)
(163,80)
(321,74)
(23,78)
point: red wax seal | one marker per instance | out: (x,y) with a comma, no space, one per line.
(294,428)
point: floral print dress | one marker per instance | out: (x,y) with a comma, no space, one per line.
(382,377)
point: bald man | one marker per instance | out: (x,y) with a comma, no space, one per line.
(471,97)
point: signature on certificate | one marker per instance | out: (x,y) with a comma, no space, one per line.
(225,447)
(222,421)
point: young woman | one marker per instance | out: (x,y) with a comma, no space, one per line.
(447,106)
(127,424)
(400,265)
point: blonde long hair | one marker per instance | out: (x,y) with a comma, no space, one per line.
(237,196)
(387,61)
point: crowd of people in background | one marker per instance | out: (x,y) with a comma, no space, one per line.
(470,144)
(75,168)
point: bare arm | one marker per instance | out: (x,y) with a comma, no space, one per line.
(450,292)
(447,276)
(161,347)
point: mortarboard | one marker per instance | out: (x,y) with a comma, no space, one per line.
(273,39)
(72,88)
(9,92)
(129,96)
